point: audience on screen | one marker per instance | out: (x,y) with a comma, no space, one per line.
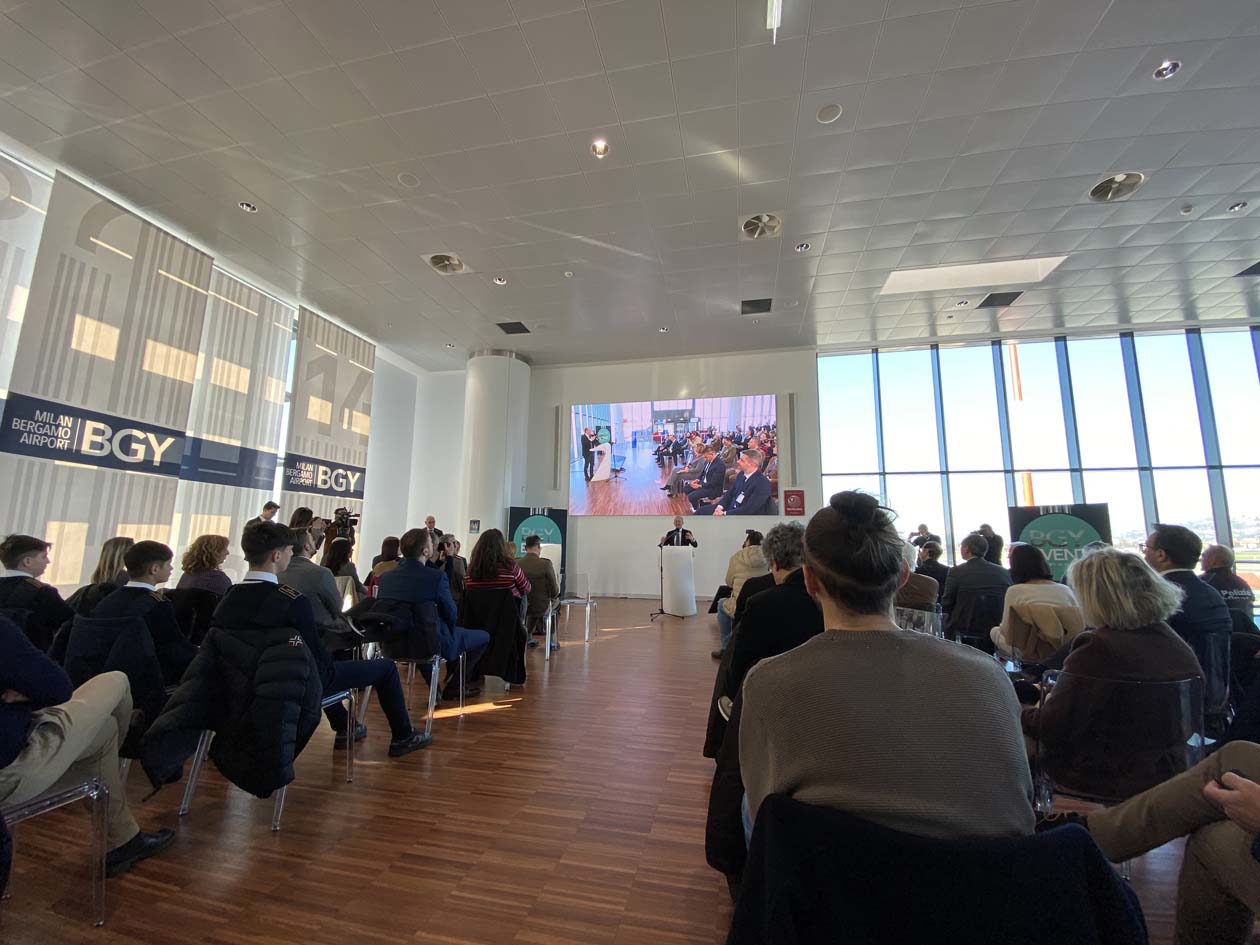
(1039,615)
(202,565)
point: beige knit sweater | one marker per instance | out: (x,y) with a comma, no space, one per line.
(918,734)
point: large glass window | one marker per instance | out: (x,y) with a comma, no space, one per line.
(917,498)
(868,484)
(846,410)
(969,400)
(1235,386)
(1183,499)
(909,411)
(1172,414)
(1034,405)
(1103,422)
(1242,489)
(1122,492)
(1043,488)
(976,499)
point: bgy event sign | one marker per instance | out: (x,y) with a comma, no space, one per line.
(1061,531)
(320,477)
(46,430)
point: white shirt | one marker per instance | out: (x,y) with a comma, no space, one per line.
(10,572)
(147,587)
(256,576)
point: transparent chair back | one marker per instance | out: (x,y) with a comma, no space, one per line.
(923,621)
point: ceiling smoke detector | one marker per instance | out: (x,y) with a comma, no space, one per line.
(962,303)
(447,263)
(408,179)
(248,207)
(829,113)
(568,274)
(762,226)
(803,246)
(1167,69)
(1116,187)
(449,345)
(663,330)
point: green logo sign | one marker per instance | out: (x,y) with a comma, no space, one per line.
(603,434)
(538,525)
(1060,538)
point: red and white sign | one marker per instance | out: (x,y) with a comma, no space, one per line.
(793,501)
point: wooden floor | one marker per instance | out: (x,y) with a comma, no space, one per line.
(637,491)
(570,812)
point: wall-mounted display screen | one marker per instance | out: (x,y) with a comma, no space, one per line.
(675,457)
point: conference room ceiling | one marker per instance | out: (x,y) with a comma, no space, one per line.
(371,134)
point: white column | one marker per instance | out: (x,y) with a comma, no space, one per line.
(496,431)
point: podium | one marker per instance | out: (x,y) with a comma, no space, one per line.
(678,581)
(603,462)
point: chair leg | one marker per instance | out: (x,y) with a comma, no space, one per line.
(199,757)
(1126,871)
(100,821)
(547,620)
(124,769)
(363,704)
(463,668)
(351,715)
(435,674)
(587,608)
(278,810)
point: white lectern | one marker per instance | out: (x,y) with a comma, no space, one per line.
(603,462)
(678,582)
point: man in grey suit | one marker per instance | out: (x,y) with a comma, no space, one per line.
(320,588)
(974,592)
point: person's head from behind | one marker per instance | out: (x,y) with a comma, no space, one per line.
(389,548)
(752,537)
(268,546)
(932,550)
(1120,591)
(1172,546)
(206,553)
(339,554)
(415,544)
(533,545)
(269,511)
(25,553)
(489,556)
(986,530)
(784,548)
(110,564)
(1091,547)
(854,562)
(302,517)
(973,546)
(149,562)
(1028,563)
(1217,556)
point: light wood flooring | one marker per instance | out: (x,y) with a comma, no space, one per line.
(568,812)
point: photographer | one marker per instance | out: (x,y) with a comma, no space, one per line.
(342,526)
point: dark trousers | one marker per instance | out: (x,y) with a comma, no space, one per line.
(588,465)
(381,675)
(695,495)
(472,642)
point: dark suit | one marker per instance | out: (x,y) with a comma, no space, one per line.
(712,477)
(588,456)
(173,649)
(974,595)
(920,540)
(679,536)
(748,495)
(39,604)
(994,554)
(937,572)
(775,621)
(1204,622)
(411,581)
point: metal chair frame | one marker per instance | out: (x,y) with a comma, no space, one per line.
(571,599)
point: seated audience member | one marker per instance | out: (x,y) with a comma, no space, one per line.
(749,494)
(930,564)
(53,737)
(493,566)
(452,565)
(729,452)
(35,607)
(1218,571)
(822,723)
(922,536)
(268,548)
(149,565)
(674,481)
(974,591)
(1203,620)
(678,535)
(1039,615)
(1216,806)
(389,554)
(993,544)
(1126,605)
(317,584)
(304,519)
(920,592)
(780,618)
(340,563)
(202,565)
(267,514)
(748,562)
(544,589)
(110,568)
(416,583)
(710,479)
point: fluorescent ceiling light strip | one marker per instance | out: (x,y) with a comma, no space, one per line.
(288,328)
(183,282)
(29,206)
(327,350)
(112,249)
(361,367)
(971,276)
(224,298)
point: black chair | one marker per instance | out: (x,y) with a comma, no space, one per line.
(497,611)
(405,633)
(194,609)
(975,613)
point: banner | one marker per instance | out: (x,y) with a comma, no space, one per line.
(793,501)
(550,525)
(314,476)
(1060,531)
(226,465)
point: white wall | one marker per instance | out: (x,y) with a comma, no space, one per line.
(619,553)
(386,488)
(435,475)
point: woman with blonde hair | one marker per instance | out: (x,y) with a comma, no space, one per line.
(202,564)
(109,567)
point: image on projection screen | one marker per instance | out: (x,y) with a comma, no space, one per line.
(648,457)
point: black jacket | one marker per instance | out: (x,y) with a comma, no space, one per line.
(496,611)
(994,554)
(1237,594)
(937,572)
(817,875)
(174,652)
(716,730)
(777,620)
(255,684)
(975,592)
(1204,622)
(35,607)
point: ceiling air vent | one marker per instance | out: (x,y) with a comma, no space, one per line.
(1251,270)
(762,226)
(999,299)
(1116,187)
(513,328)
(447,263)
(755,306)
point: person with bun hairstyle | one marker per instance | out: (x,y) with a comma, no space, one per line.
(900,728)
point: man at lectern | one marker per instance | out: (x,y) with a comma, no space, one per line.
(679,535)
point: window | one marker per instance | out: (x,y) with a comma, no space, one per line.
(1043,488)
(976,499)
(1122,492)
(1104,425)
(917,498)
(846,400)
(1235,386)
(1242,490)
(1182,498)
(969,402)
(833,484)
(1034,405)
(908,407)
(1172,414)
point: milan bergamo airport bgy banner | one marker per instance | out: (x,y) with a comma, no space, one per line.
(330,416)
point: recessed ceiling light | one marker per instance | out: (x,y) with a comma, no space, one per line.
(663,330)
(500,280)
(449,345)
(756,321)
(408,179)
(803,246)
(248,207)
(962,303)
(829,113)
(971,275)
(1235,207)
(599,148)
(1117,186)
(1167,69)
(1187,209)
(568,275)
